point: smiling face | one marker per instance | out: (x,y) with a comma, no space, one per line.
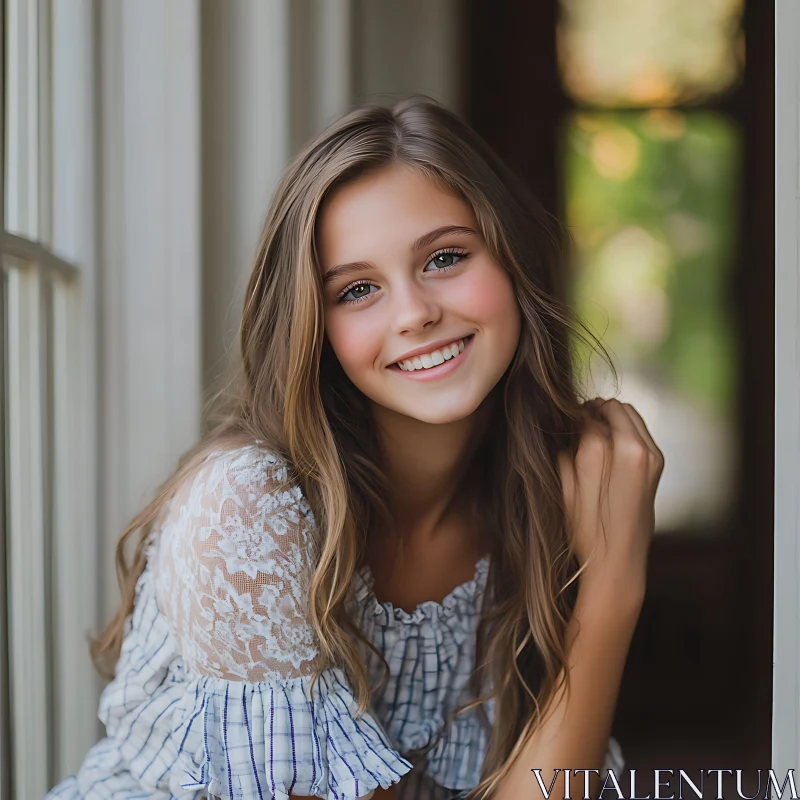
(421,317)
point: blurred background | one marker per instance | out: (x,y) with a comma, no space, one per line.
(142,141)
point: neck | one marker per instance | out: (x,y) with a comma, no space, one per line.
(425,465)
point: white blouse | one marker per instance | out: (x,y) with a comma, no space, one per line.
(212,693)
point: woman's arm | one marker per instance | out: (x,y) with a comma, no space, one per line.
(575,731)
(611,519)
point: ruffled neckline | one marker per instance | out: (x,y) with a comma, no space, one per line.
(459,599)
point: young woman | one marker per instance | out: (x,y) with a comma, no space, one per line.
(410,560)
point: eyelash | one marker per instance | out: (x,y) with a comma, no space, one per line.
(447,251)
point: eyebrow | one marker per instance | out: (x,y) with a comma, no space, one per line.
(425,240)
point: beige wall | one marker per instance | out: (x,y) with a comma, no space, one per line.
(407,46)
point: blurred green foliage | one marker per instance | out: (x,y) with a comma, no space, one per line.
(651,201)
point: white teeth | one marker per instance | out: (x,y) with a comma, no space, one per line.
(433,358)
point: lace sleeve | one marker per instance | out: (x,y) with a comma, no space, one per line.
(233,562)
(234,558)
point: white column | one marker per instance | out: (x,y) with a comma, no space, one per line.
(322,57)
(333,44)
(786,655)
(150,349)
(246,145)
(75,530)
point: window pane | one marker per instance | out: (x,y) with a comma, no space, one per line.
(651,204)
(659,52)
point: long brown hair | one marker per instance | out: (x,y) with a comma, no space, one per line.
(293,396)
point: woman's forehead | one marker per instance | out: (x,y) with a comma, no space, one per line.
(396,204)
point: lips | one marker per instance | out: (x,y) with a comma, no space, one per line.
(434,369)
(431,355)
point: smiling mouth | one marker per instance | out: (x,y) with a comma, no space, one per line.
(430,362)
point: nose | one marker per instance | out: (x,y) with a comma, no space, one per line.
(414,308)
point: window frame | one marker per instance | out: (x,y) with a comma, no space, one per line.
(5,699)
(786,620)
(48,597)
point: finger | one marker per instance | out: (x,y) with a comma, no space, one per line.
(567,474)
(592,417)
(593,459)
(590,406)
(618,419)
(639,422)
(598,425)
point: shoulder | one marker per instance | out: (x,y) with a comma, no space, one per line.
(240,502)
(253,477)
(244,465)
(233,567)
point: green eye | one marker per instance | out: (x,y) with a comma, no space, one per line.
(446,260)
(358,291)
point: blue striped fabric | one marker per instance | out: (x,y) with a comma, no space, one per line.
(172,734)
(172,737)
(431,654)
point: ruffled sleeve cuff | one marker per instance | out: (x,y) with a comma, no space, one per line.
(276,738)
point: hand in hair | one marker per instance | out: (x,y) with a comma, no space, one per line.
(609,492)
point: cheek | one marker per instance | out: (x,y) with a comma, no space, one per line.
(354,339)
(489,299)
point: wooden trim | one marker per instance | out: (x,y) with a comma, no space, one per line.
(26,534)
(35,253)
(786,644)
(5,697)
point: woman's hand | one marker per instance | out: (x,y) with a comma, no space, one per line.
(609,492)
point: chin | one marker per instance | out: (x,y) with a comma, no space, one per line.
(447,413)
